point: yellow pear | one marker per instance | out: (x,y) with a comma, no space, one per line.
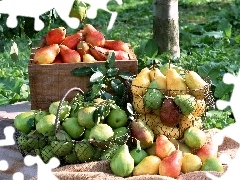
(190,163)
(199,108)
(170,132)
(155,74)
(145,71)
(175,83)
(149,165)
(140,84)
(196,84)
(139,106)
(150,119)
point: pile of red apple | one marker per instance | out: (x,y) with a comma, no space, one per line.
(85,45)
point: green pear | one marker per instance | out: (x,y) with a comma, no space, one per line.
(47,153)
(84,151)
(86,116)
(62,143)
(46,125)
(122,163)
(24,122)
(73,128)
(140,131)
(101,132)
(22,142)
(153,97)
(180,145)
(36,140)
(138,154)
(64,112)
(86,134)
(186,103)
(39,115)
(71,158)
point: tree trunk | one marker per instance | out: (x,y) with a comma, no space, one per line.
(166,26)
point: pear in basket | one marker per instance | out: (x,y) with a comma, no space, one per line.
(46,54)
(93,36)
(196,84)
(175,83)
(55,35)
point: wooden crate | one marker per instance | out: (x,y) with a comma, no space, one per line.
(49,82)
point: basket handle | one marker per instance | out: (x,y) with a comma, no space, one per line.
(61,102)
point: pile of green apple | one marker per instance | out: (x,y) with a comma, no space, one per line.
(80,132)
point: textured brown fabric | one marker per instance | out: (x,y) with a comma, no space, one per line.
(101,169)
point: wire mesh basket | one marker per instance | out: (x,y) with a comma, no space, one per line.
(173,111)
(58,143)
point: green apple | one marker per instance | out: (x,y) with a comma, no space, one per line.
(86,117)
(101,132)
(117,118)
(64,112)
(73,128)
(46,125)
(24,122)
(39,115)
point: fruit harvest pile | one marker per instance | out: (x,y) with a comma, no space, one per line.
(169,100)
(85,45)
(75,132)
(158,133)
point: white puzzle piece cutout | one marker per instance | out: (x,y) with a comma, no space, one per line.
(8,132)
(94,6)
(44,170)
(34,9)
(232,131)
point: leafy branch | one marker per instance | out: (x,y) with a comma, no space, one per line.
(105,81)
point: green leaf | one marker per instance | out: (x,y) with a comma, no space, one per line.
(96,77)
(237,39)
(112,72)
(95,91)
(151,48)
(126,75)
(3,100)
(110,60)
(222,89)
(226,27)
(100,68)
(117,86)
(82,71)
(215,34)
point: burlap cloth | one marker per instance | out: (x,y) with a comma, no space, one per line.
(101,169)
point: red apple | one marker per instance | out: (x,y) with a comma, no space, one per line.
(207,150)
